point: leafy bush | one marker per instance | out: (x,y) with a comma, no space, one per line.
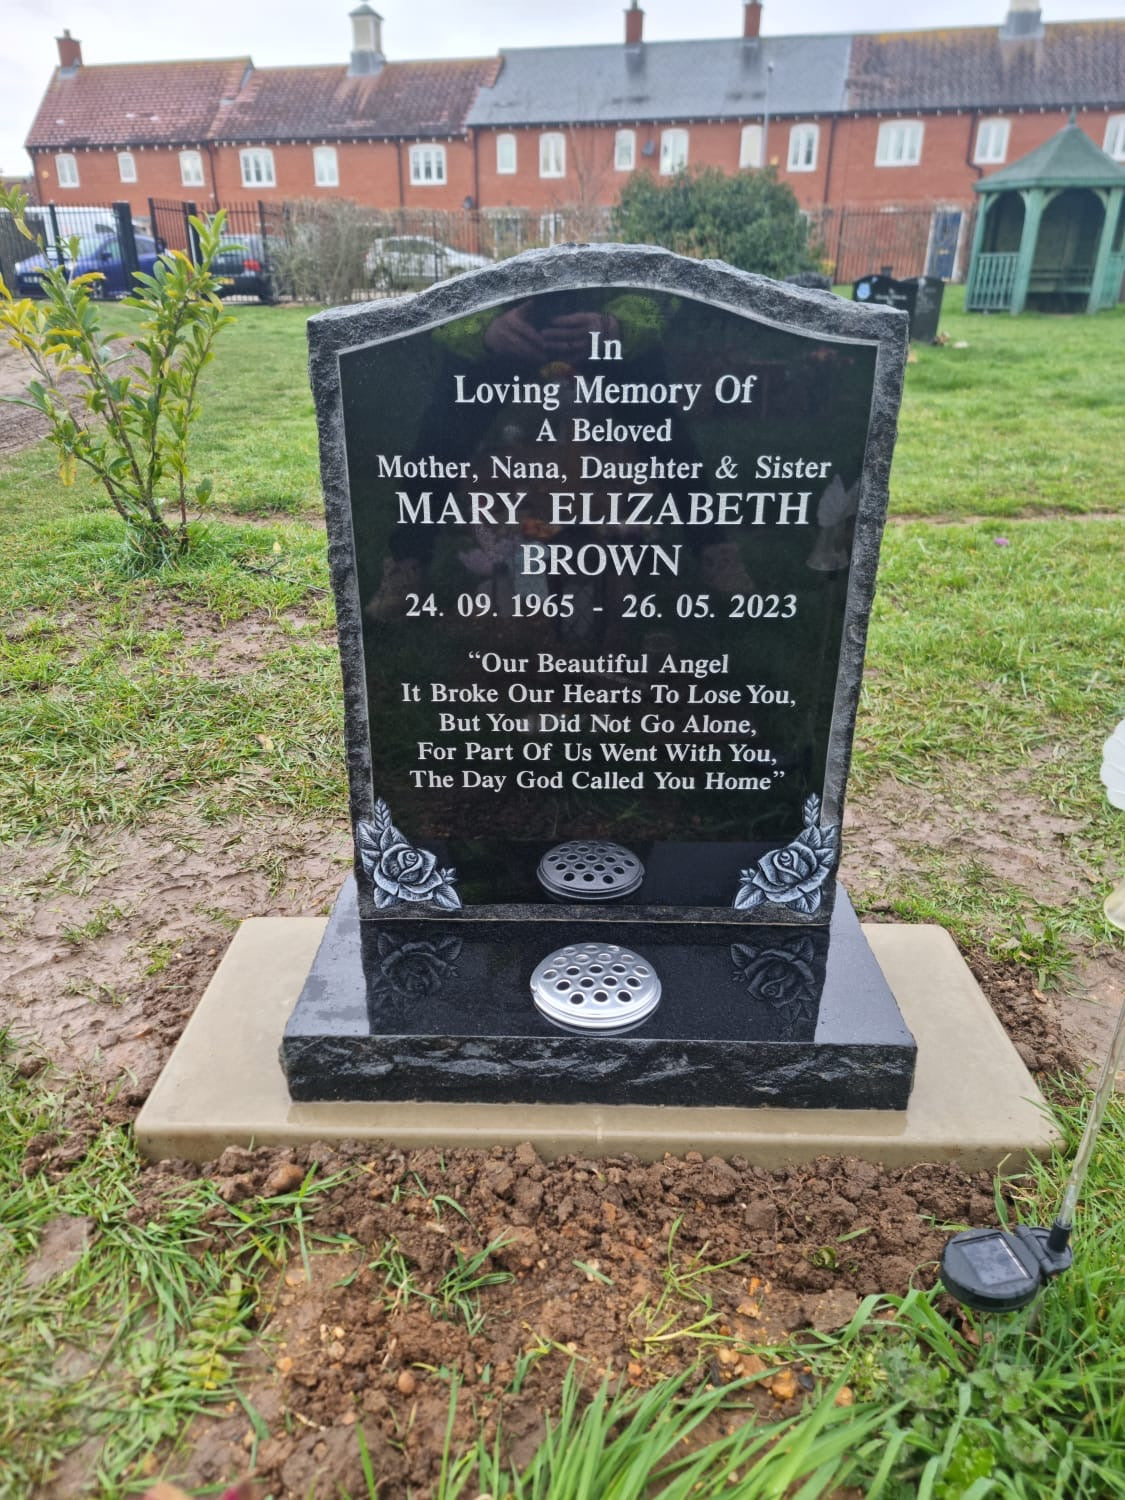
(749,220)
(323,256)
(124,412)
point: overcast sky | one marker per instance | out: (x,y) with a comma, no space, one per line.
(294,31)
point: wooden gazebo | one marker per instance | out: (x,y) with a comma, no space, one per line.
(1049,231)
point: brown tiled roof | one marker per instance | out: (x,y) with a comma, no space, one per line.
(135,104)
(409,98)
(231,100)
(1076,63)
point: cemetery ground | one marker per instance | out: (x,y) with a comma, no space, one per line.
(370,1321)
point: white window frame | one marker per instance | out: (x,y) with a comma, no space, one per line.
(625,151)
(257,167)
(126,166)
(427,165)
(751,142)
(552,154)
(673,150)
(992,142)
(66,170)
(506,154)
(899,143)
(326,166)
(1114,139)
(804,147)
(191,169)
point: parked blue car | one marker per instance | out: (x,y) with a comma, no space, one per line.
(96,252)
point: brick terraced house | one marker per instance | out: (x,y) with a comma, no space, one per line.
(855,120)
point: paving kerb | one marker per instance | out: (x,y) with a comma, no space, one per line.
(974,1101)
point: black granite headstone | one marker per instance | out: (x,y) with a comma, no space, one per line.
(919,297)
(603,526)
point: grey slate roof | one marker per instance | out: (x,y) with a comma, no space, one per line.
(665,81)
(1073,63)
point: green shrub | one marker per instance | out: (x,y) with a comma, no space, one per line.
(750,220)
(125,412)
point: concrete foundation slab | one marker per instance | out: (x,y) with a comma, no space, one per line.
(973,1101)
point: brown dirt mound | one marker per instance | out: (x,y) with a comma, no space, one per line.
(588,1256)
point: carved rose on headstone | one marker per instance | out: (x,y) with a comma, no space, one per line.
(793,875)
(397,870)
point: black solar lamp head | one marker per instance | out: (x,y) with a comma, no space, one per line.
(999,1270)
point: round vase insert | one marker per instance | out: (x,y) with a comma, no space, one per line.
(595,987)
(590,870)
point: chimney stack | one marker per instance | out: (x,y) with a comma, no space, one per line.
(367,42)
(752,20)
(1024,19)
(70,53)
(634,25)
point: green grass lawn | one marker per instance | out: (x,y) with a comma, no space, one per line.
(996,650)
(1023,421)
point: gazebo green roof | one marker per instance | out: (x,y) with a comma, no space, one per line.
(1068,159)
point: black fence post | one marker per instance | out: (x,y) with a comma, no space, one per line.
(57,246)
(265,238)
(191,237)
(127,240)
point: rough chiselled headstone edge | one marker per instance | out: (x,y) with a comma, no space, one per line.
(567,267)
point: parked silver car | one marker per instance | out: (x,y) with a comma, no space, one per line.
(413,260)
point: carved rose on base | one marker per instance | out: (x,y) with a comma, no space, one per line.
(781,976)
(413,969)
(397,870)
(793,875)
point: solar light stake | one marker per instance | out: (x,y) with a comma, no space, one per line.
(996,1270)
(993,1270)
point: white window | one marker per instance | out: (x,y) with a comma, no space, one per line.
(625,151)
(899,144)
(126,166)
(750,147)
(803,141)
(505,154)
(427,166)
(257,169)
(326,168)
(1115,137)
(673,151)
(191,169)
(552,154)
(992,141)
(66,170)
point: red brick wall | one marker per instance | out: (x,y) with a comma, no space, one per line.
(371,172)
(99,181)
(592,179)
(946,172)
(368,171)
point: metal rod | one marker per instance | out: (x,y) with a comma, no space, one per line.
(1064,1219)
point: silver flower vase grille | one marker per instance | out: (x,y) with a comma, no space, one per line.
(794,875)
(399,872)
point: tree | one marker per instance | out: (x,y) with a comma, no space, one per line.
(124,413)
(749,220)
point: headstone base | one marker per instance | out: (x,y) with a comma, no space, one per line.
(442,1011)
(973,1101)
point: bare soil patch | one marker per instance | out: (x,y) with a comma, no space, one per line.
(111,938)
(587,1251)
(20,426)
